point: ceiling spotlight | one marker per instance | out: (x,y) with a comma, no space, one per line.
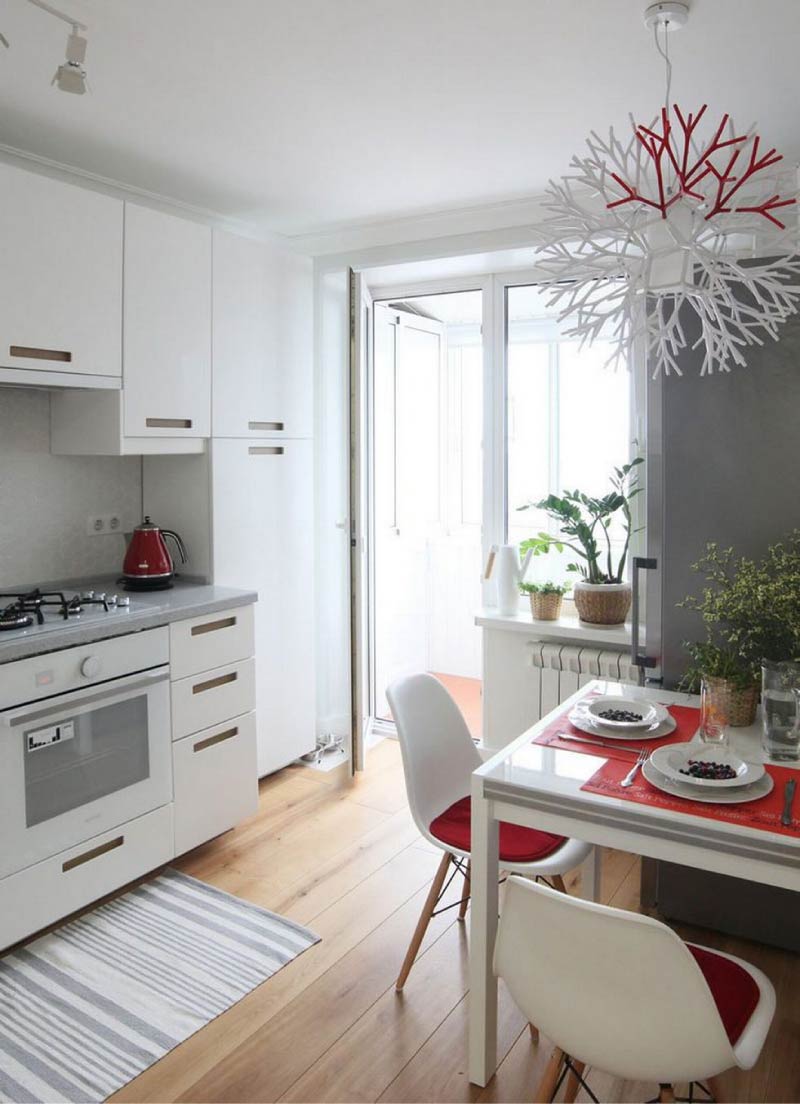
(71,76)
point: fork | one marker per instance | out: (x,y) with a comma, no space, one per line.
(629,777)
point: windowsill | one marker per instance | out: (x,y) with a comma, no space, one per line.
(567,628)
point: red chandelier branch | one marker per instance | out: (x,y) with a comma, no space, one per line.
(680,170)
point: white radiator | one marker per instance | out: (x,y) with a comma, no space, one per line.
(564,668)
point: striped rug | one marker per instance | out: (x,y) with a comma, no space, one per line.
(86,1008)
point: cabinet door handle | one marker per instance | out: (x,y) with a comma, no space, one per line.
(218,738)
(168,423)
(213,626)
(95,853)
(212,684)
(265,450)
(266,425)
(40,354)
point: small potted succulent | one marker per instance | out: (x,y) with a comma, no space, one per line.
(546,599)
(750,611)
(602,596)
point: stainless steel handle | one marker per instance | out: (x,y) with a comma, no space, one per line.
(640,563)
(178,543)
(266,450)
(218,738)
(31,353)
(95,853)
(113,689)
(274,427)
(168,423)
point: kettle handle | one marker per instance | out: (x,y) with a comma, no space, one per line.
(178,543)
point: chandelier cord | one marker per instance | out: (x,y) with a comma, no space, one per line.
(667,62)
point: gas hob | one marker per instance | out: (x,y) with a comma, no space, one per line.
(20,610)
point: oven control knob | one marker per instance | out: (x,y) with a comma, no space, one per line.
(90,667)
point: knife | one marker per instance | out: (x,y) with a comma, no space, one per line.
(598,743)
(788,798)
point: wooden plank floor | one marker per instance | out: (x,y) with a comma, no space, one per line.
(346,859)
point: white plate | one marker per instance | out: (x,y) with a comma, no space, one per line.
(584,721)
(647,712)
(672,759)
(738,796)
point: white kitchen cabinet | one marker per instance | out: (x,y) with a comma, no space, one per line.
(262,339)
(215,781)
(212,696)
(60,282)
(263,537)
(167,325)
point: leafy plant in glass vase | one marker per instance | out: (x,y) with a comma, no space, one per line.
(751,614)
(602,596)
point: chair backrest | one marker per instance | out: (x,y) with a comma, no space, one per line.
(614,989)
(438,753)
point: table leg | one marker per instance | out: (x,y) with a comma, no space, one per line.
(590,875)
(483,930)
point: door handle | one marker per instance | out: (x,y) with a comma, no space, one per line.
(266,450)
(269,426)
(217,738)
(212,684)
(31,353)
(640,563)
(168,423)
(95,853)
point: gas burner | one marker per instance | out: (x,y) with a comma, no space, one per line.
(13,618)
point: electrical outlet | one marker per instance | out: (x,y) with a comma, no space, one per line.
(114,523)
(96,525)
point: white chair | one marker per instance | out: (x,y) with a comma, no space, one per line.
(438,760)
(623,993)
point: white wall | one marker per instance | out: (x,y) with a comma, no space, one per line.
(45,500)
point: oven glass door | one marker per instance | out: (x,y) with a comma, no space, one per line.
(82,763)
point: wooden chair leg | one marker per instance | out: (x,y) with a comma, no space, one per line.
(534,1033)
(547,1085)
(666,1094)
(462,908)
(715,1088)
(573,1084)
(558,883)
(424,920)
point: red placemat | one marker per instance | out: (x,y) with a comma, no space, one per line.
(764,813)
(686,718)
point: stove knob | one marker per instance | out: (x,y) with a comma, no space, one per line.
(124,600)
(90,667)
(88,594)
(112,599)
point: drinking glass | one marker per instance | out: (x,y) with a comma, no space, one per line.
(715,709)
(780,683)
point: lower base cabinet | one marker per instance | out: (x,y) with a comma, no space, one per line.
(214,774)
(38,896)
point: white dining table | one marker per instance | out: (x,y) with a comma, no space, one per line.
(540,787)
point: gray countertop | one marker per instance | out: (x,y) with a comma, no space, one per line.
(147,610)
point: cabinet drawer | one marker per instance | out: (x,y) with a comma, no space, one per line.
(205,642)
(42,894)
(216,781)
(212,696)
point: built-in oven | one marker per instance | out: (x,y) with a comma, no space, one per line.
(78,762)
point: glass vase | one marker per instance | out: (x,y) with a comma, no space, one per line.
(780,683)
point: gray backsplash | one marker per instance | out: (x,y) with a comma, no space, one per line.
(45,500)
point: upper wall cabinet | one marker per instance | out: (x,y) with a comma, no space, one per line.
(167,331)
(60,282)
(262,340)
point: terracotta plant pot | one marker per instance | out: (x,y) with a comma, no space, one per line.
(546,607)
(602,603)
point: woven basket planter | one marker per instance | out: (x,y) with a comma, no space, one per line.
(739,704)
(602,603)
(546,607)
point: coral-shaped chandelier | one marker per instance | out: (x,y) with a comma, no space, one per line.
(673,240)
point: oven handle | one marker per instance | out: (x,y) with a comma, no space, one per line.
(113,689)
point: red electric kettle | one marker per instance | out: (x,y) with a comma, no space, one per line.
(148,564)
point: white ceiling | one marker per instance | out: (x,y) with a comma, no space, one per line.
(308,114)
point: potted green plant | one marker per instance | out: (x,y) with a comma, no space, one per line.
(546,599)
(751,613)
(602,596)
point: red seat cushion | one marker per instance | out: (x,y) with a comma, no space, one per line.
(734,990)
(517,844)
